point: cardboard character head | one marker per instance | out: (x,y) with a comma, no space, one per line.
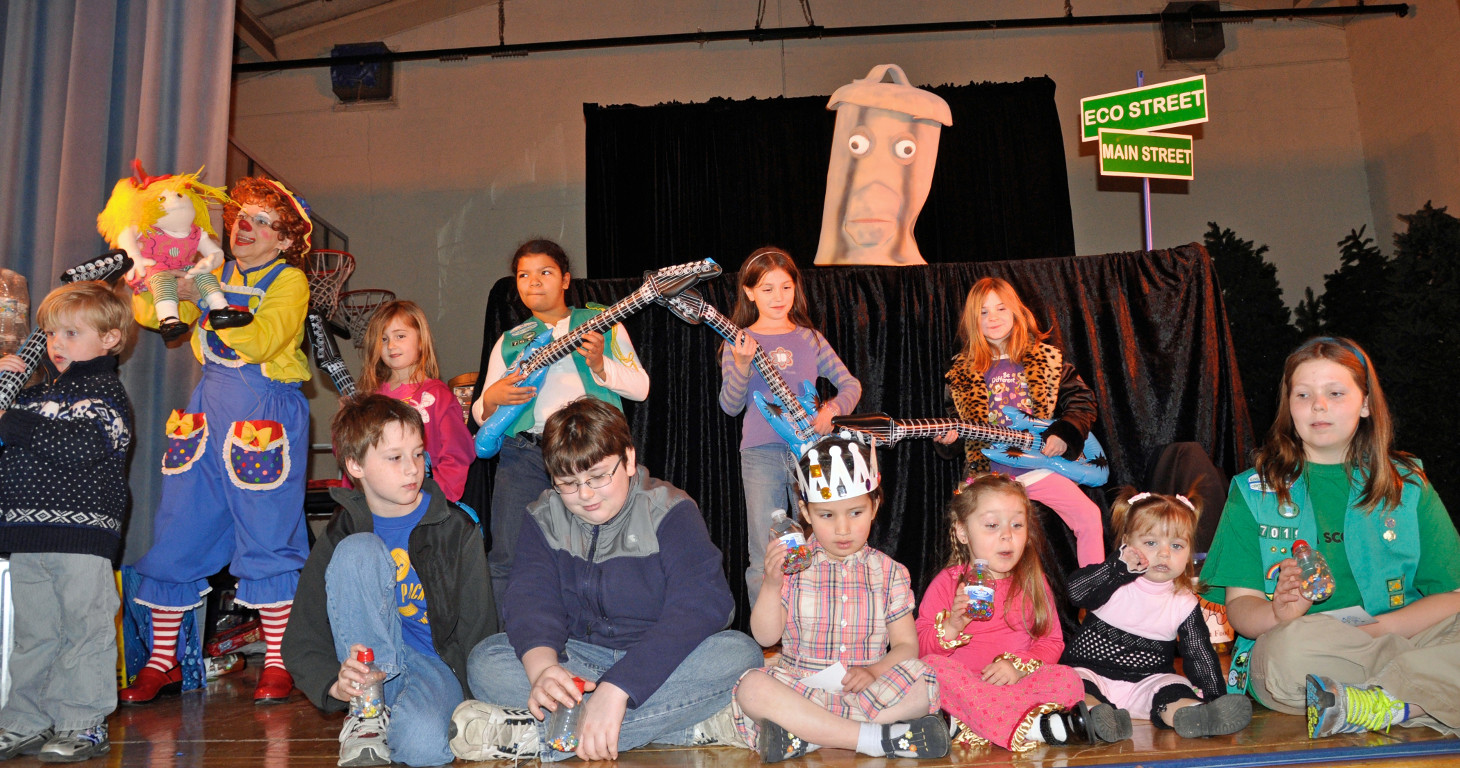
(882,156)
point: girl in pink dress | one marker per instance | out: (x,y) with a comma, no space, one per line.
(998,676)
(400,362)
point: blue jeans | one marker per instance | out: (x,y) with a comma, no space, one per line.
(698,688)
(420,689)
(521,479)
(768,472)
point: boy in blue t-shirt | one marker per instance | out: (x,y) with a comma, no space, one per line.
(401,571)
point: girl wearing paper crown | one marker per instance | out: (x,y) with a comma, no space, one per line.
(162,223)
(849,675)
(1329,475)
(233,474)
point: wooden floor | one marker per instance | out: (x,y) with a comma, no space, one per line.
(222,727)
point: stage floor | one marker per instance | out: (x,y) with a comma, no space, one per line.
(222,727)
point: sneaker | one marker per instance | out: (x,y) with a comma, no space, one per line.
(925,737)
(362,740)
(75,746)
(12,743)
(481,731)
(718,728)
(1334,707)
(1218,717)
(776,743)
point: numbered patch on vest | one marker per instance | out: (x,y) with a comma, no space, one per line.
(258,454)
(187,435)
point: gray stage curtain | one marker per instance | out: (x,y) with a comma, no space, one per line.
(86,86)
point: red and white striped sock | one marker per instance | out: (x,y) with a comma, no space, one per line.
(274,619)
(165,625)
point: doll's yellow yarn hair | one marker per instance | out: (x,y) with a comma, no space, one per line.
(131,204)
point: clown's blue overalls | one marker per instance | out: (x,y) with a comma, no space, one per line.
(234,471)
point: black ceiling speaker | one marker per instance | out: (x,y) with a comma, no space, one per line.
(1183,35)
(355,81)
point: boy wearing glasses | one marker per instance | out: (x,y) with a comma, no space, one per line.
(615,582)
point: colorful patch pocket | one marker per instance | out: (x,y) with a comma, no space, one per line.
(258,454)
(187,435)
(215,350)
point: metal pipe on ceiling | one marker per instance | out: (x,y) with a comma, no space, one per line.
(818,32)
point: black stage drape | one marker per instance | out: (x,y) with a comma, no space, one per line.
(1148,332)
(678,182)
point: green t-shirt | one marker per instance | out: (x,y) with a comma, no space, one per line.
(1236,561)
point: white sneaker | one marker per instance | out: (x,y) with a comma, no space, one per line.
(362,741)
(481,731)
(719,728)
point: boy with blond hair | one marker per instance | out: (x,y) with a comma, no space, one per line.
(63,502)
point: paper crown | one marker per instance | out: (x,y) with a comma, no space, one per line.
(837,468)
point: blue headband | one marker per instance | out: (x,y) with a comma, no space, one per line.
(1334,340)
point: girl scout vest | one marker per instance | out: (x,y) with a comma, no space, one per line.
(517,339)
(1382,547)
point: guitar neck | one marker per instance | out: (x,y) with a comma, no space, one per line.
(901,429)
(30,353)
(762,362)
(339,374)
(601,323)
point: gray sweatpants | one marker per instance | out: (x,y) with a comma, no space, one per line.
(1423,670)
(63,669)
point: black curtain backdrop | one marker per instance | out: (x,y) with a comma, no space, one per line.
(678,182)
(1148,332)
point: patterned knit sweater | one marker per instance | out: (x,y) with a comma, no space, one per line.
(63,476)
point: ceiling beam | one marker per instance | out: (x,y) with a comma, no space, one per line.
(253,34)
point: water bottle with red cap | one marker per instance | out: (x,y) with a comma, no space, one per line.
(370,701)
(562,724)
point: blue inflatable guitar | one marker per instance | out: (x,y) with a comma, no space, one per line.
(544,350)
(789,415)
(1014,446)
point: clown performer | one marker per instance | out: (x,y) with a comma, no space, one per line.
(233,474)
(162,223)
(883,150)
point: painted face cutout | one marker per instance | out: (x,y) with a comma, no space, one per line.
(883,151)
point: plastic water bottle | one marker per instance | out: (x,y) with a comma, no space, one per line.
(798,555)
(980,591)
(14,309)
(562,723)
(370,701)
(1317,584)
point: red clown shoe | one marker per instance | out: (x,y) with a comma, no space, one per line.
(149,683)
(274,686)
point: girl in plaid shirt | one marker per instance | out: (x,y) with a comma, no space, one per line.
(849,611)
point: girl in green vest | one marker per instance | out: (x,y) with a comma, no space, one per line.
(603,367)
(1384,649)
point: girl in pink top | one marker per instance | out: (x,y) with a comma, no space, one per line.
(1140,608)
(400,362)
(998,676)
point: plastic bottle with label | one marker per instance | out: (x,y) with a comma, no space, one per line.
(980,591)
(1317,584)
(562,723)
(370,701)
(14,310)
(798,554)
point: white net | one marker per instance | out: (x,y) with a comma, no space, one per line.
(327,272)
(358,306)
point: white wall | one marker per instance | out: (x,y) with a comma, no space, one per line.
(475,156)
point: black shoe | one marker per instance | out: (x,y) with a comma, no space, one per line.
(777,744)
(1087,725)
(172,329)
(1219,717)
(926,737)
(228,317)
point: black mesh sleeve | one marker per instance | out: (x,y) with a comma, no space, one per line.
(1092,586)
(1198,659)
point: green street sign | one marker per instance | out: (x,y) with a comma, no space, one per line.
(1151,108)
(1148,155)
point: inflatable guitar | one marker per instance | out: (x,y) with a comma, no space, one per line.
(544,350)
(109,266)
(1015,446)
(327,355)
(789,416)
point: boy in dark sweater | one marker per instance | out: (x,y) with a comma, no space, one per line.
(401,571)
(63,499)
(616,583)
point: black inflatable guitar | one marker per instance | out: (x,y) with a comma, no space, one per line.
(109,266)
(327,355)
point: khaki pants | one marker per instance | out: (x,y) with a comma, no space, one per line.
(1422,670)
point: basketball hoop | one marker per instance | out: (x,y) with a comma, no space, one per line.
(327,272)
(358,306)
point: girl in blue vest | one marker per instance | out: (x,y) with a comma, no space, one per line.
(607,369)
(1384,648)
